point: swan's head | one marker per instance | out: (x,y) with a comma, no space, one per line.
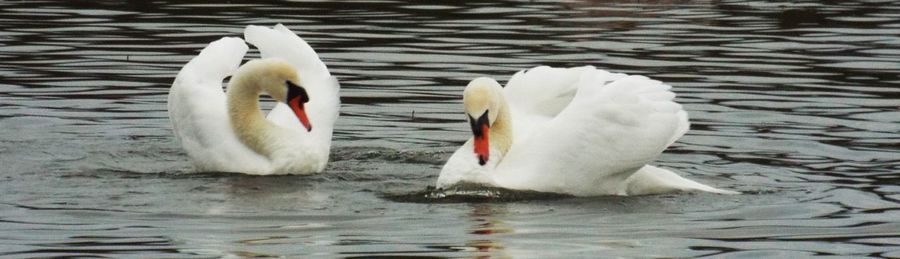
(482,101)
(279,79)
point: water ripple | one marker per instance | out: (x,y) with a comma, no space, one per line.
(794,104)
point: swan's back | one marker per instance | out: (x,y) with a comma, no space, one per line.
(611,126)
(582,131)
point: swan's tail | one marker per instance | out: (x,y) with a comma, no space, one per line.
(215,62)
(654,180)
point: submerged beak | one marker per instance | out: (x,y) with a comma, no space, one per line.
(481,131)
(296,98)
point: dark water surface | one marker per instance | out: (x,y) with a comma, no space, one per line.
(795,104)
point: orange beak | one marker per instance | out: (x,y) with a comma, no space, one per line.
(483,145)
(296,105)
(296,97)
(481,130)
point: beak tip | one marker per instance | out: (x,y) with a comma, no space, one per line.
(482,160)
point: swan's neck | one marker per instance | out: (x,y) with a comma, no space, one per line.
(247,119)
(501,131)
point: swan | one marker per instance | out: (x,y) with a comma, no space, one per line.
(580,131)
(227,132)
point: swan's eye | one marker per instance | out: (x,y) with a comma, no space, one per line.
(296,91)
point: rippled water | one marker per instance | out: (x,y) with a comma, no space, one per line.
(795,104)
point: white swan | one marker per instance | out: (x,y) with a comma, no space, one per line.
(579,131)
(227,132)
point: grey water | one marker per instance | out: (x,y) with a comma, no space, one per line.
(794,104)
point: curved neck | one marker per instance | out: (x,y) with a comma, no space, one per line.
(501,130)
(247,120)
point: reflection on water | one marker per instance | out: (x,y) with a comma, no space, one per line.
(795,104)
(487,224)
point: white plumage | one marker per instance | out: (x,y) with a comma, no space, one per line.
(199,109)
(580,131)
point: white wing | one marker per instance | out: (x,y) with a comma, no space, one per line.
(544,90)
(197,109)
(537,95)
(322,109)
(613,126)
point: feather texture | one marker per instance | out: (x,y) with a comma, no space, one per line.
(199,112)
(585,132)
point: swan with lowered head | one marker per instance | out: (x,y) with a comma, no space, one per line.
(227,131)
(579,131)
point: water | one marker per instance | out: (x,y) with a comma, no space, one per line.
(795,104)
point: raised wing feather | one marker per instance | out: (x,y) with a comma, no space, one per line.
(281,42)
(547,90)
(539,94)
(608,131)
(542,91)
(322,109)
(197,109)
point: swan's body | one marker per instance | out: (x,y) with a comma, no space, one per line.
(227,132)
(579,131)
